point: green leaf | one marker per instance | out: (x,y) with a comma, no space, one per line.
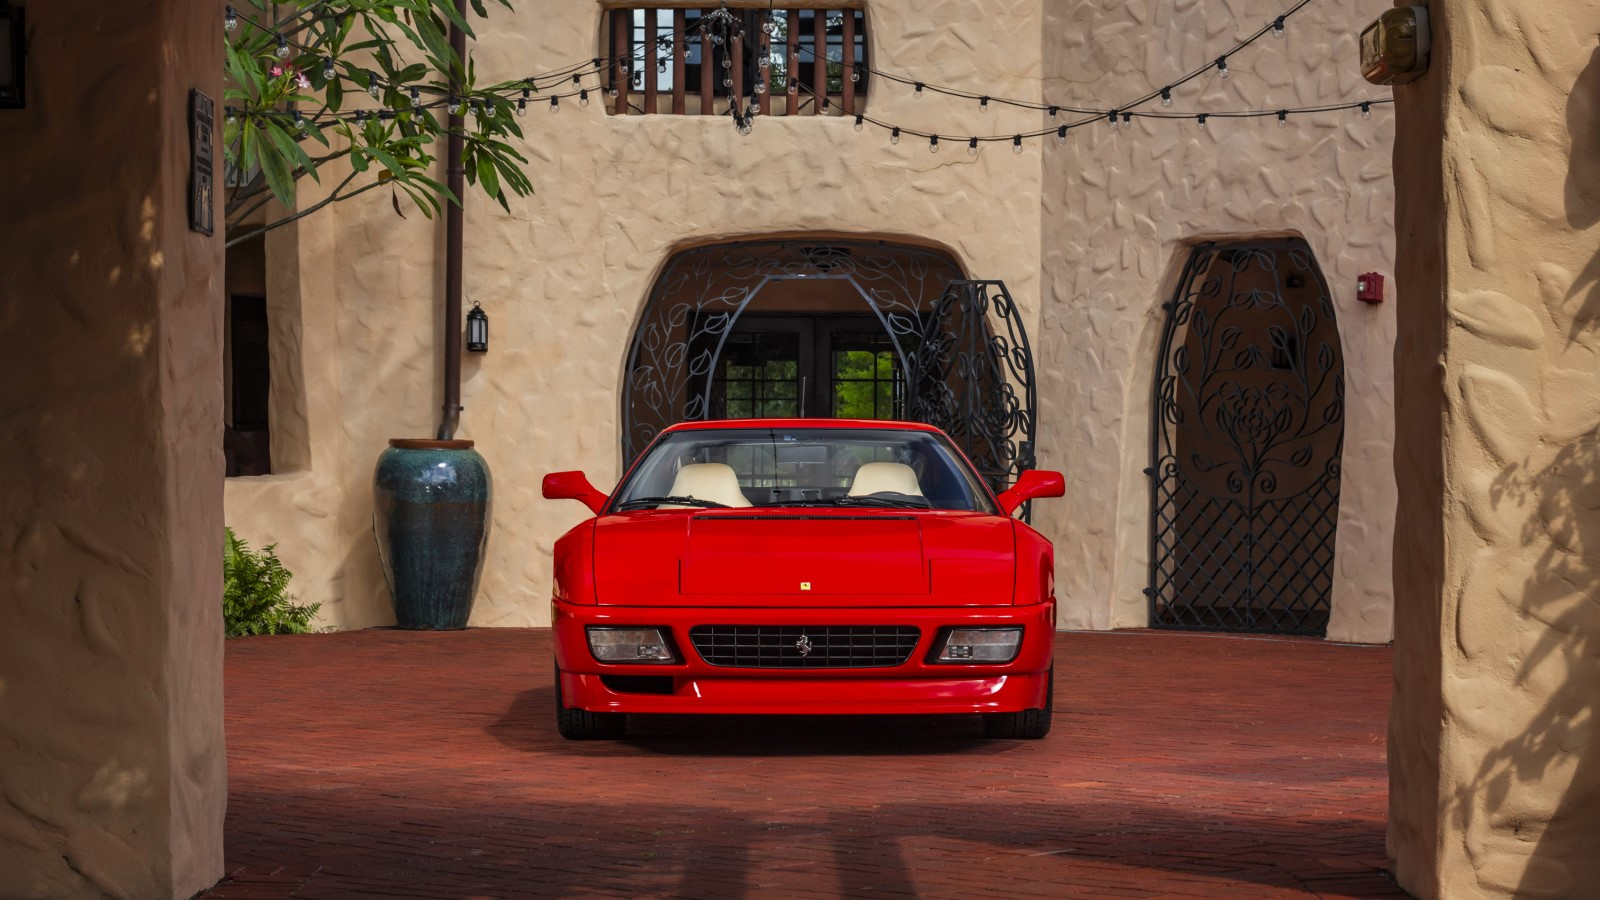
(333,97)
(275,168)
(487,176)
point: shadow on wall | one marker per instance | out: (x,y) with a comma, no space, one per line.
(1560,592)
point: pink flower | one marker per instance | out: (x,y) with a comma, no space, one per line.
(275,71)
(302,81)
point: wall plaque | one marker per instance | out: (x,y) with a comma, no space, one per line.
(202,149)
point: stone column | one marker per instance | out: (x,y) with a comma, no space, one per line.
(1495,732)
(112,771)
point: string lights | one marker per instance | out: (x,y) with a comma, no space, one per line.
(723,33)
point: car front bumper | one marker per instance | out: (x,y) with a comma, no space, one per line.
(691,685)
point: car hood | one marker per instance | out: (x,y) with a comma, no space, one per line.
(812,558)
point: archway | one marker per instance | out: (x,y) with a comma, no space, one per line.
(833,329)
(1247,436)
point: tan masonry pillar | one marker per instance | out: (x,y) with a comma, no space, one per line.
(112,771)
(1494,748)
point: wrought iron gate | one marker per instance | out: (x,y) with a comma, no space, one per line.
(972,375)
(1247,436)
(960,343)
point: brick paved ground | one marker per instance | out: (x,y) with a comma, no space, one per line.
(380,763)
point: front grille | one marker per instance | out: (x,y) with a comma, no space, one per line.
(781,646)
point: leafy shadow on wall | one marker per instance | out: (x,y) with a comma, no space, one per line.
(1560,591)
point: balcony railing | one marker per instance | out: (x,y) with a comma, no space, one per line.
(797,61)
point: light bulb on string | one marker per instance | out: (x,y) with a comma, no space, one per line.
(794,83)
(583,97)
(1366,109)
(1222,66)
(522,104)
(859,120)
(555,104)
(416,95)
(1277,28)
(1201,119)
(855,74)
(1061,135)
(1055,111)
(933,144)
(372,85)
(1283,118)
(727,81)
(230,19)
(760,86)
(329,72)
(1016,143)
(299,121)
(983,104)
(661,65)
(477,111)
(917,90)
(972,147)
(283,48)
(1115,120)
(894,136)
(1127,119)
(1166,97)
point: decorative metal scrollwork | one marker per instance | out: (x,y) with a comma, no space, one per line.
(1248,433)
(703,291)
(972,375)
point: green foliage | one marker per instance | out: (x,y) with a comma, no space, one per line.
(255,593)
(398,48)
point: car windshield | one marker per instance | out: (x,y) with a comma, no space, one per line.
(800,467)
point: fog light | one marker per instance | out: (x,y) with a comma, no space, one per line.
(630,645)
(980,645)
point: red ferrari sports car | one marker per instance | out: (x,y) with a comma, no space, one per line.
(803,566)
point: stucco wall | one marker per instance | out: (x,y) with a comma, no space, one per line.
(564,275)
(1120,211)
(112,778)
(1497,662)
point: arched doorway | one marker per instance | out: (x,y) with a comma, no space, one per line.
(833,329)
(1247,435)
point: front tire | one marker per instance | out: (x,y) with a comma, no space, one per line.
(582,725)
(1027,725)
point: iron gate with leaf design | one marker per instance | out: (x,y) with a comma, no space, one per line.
(1247,437)
(959,344)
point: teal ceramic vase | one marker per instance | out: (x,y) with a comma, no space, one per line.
(431,518)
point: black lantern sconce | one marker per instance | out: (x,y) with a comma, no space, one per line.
(477,330)
(13,63)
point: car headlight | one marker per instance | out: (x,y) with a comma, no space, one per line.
(630,645)
(975,646)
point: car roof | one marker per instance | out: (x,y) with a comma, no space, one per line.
(768,424)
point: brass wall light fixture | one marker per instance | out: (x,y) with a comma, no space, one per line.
(1395,49)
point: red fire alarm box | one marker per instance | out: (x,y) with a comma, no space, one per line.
(1369,288)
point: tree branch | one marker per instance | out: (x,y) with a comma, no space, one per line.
(332,198)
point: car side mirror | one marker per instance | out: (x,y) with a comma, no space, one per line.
(1032,483)
(574,486)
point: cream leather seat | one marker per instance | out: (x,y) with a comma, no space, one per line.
(715,482)
(876,477)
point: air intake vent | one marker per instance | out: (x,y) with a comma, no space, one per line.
(805,646)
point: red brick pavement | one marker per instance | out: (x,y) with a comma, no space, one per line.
(382,763)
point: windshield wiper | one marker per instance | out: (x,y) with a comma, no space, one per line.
(901,501)
(652,502)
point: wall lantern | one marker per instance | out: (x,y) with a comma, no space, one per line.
(13,64)
(1395,49)
(477,330)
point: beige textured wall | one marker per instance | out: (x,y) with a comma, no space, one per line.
(1119,213)
(1495,787)
(563,276)
(112,778)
